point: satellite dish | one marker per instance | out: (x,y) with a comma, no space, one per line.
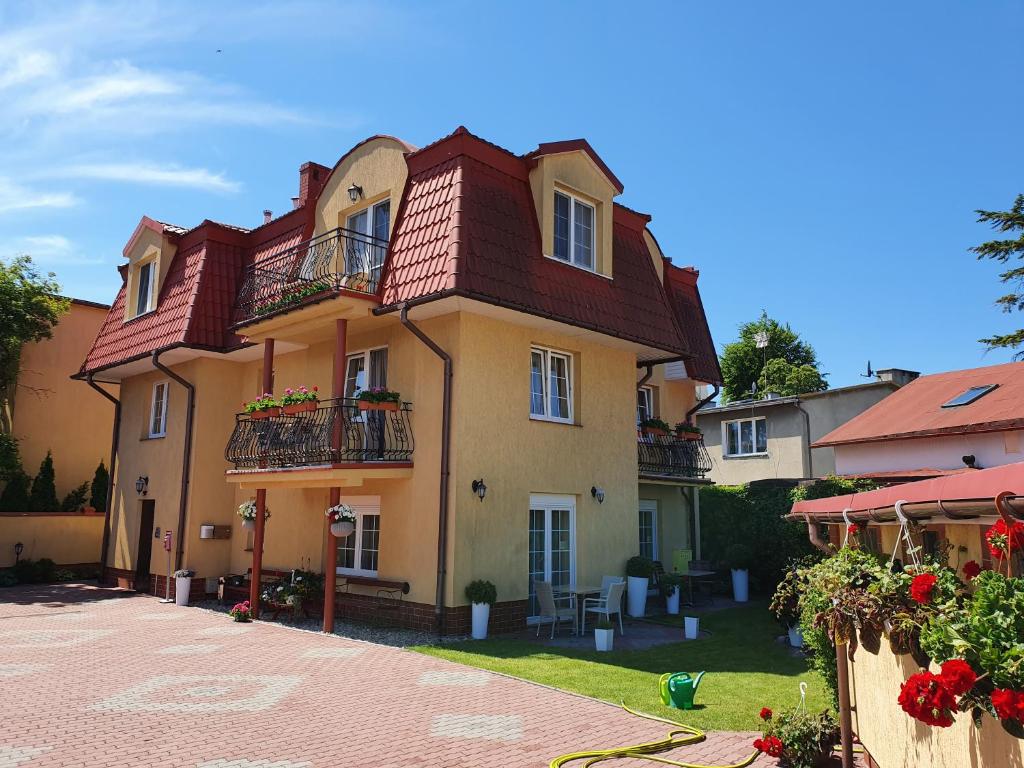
(870,374)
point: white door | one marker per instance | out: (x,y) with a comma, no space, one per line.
(552,543)
(649,529)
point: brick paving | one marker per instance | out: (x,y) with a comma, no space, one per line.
(99,677)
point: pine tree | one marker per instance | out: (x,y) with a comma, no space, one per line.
(15,496)
(1011,221)
(98,491)
(44,488)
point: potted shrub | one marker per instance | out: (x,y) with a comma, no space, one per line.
(247,511)
(241,612)
(482,594)
(638,573)
(604,635)
(798,738)
(655,427)
(379,399)
(739,557)
(301,400)
(263,407)
(342,519)
(687,431)
(670,587)
(182,585)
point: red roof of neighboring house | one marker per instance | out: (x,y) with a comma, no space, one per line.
(684,297)
(915,410)
(907,475)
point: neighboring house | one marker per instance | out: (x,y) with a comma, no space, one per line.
(51,412)
(774,437)
(508,299)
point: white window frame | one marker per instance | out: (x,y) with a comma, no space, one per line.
(546,503)
(648,395)
(362,507)
(649,505)
(365,354)
(573,201)
(753,427)
(546,353)
(150,289)
(370,211)
(163,408)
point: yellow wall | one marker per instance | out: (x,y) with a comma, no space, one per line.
(673,522)
(52,412)
(152,247)
(672,398)
(67,539)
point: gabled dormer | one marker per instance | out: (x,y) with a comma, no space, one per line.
(572,193)
(149,252)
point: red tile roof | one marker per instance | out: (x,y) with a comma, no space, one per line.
(915,410)
(684,297)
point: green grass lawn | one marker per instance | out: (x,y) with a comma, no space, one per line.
(746,670)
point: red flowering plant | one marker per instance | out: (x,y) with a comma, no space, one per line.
(971,570)
(261,403)
(241,612)
(300,395)
(1003,539)
(798,738)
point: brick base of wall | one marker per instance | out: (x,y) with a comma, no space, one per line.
(157,585)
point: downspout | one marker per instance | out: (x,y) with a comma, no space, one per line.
(814,534)
(808,470)
(702,403)
(186,461)
(446,420)
(114,439)
(646,376)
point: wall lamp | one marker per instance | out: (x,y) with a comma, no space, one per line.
(18,549)
(142,485)
(479,488)
(597,493)
(355,192)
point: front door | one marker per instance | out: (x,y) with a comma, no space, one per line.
(145,548)
(552,543)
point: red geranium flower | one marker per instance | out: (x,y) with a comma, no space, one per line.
(921,587)
(773,746)
(971,569)
(1005,702)
(925,698)
(853,529)
(1002,538)
(957,676)
(759,745)
(766,714)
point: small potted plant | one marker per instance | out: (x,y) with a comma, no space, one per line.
(655,427)
(342,519)
(182,585)
(638,573)
(670,584)
(247,511)
(798,738)
(482,594)
(379,399)
(263,407)
(739,557)
(301,400)
(241,612)
(604,635)
(687,431)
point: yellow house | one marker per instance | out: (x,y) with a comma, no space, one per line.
(527,322)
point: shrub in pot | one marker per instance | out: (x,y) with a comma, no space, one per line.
(182,585)
(604,635)
(739,557)
(671,585)
(482,594)
(638,574)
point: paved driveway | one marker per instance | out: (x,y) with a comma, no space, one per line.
(95,677)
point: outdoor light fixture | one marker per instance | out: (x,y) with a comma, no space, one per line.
(142,485)
(479,488)
(597,493)
(355,192)
(18,549)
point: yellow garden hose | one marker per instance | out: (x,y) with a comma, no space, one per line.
(680,736)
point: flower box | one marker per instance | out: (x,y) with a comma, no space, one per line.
(658,431)
(294,408)
(366,405)
(694,436)
(266,413)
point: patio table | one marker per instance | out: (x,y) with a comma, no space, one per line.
(690,576)
(579,592)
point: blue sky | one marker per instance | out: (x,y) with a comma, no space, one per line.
(819,160)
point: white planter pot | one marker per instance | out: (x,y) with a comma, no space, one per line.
(796,637)
(248,525)
(604,639)
(672,602)
(691,627)
(481,614)
(342,529)
(636,596)
(740,585)
(182,586)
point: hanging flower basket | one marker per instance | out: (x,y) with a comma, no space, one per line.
(342,530)
(247,511)
(379,399)
(342,519)
(249,525)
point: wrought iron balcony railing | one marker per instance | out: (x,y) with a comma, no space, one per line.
(337,432)
(667,456)
(315,269)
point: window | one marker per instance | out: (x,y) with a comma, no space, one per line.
(144,296)
(745,437)
(366,255)
(366,370)
(649,529)
(158,410)
(644,404)
(969,396)
(359,553)
(574,231)
(552,544)
(550,385)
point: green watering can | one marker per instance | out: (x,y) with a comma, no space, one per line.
(678,689)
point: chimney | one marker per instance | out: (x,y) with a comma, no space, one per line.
(312,177)
(267,215)
(295,203)
(897,376)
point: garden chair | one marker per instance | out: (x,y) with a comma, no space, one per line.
(606,583)
(607,606)
(550,611)
(705,584)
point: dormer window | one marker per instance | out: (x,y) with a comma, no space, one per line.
(144,295)
(574,231)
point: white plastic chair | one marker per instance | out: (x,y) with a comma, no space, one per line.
(606,607)
(606,583)
(549,611)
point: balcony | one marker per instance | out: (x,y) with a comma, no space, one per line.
(337,261)
(337,435)
(671,458)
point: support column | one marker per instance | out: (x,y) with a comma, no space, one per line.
(845,718)
(696,524)
(261,497)
(337,392)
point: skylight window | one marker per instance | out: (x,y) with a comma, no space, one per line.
(969,396)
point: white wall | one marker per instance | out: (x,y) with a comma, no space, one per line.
(990,449)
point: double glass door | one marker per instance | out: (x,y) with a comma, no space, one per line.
(552,544)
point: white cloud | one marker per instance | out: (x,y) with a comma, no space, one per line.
(46,250)
(23,67)
(141,173)
(15,197)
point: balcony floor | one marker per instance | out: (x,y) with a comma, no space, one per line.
(320,475)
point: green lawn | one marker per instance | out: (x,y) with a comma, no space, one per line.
(746,670)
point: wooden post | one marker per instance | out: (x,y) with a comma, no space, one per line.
(337,392)
(845,719)
(261,497)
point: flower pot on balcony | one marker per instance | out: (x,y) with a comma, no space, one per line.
(306,407)
(342,529)
(694,436)
(655,431)
(266,413)
(366,405)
